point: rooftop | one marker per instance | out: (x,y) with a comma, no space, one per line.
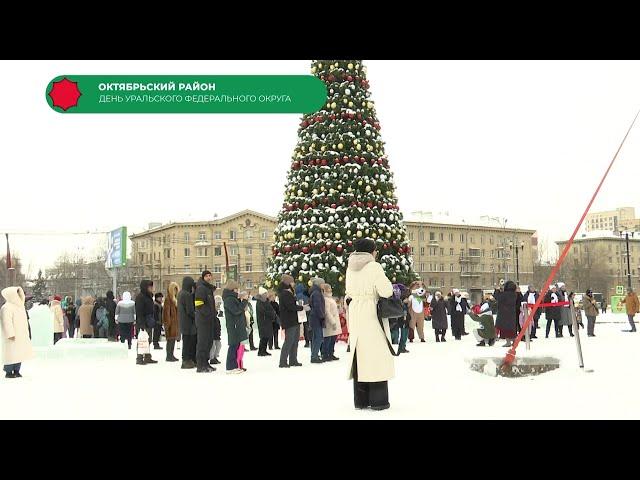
(446,218)
(603,235)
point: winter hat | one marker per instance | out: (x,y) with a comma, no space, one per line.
(287,279)
(262,291)
(560,284)
(57,298)
(484,307)
(455,291)
(317,281)
(205,273)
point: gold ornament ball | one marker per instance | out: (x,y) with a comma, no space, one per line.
(358,147)
(333,105)
(350,104)
(319,65)
(374,235)
(315,191)
(348,233)
(322,148)
(340,278)
(310,283)
(388,235)
(340,146)
(300,278)
(299,193)
(360,183)
(337,235)
(368,188)
(358,234)
(378,191)
(350,66)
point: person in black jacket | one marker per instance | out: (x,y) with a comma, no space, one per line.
(458,308)
(316,319)
(144,316)
(265,316)
(187,319)
(157,315)
(273,342)
(289,321)
(205,320)
(507,318)
(217,333)
(110,305)
(552,313)
(236,323)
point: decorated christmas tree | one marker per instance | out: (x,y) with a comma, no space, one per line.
(339,188)
(39,289)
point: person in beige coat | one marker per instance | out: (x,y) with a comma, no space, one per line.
(370,362)
(16,344)
(332,327)
(58,318)
(84,313)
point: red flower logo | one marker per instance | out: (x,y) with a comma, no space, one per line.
(65,94)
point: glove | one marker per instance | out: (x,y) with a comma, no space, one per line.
(306,308)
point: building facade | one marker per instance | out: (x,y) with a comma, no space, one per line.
(170,252)
(613,220)
(475,256)
(598,260)
(446,254)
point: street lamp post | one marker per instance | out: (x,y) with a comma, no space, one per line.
(517,248)
(628,254)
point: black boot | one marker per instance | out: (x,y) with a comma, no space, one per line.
(437,338)
(480,343)
(139,360)
(187,364)
(147,359)
(170,346)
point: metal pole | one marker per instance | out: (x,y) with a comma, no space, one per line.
(114,285)
(628,260)
(574,321)
(517,266)
(524,306)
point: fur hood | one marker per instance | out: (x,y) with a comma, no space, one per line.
(14,295)
(172,292)
(358,260)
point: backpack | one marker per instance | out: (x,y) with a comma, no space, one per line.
(101,316)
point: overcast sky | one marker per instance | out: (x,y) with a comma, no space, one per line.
(526,140)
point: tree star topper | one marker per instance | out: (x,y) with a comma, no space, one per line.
(65,94)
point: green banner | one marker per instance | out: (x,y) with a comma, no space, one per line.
(233,273)
(186,94)
(616,304)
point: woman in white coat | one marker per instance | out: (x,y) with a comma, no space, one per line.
(332,327)
(16,345)
(370,362)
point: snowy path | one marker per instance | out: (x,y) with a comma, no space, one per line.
(432,382)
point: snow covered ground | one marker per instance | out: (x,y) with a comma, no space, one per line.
(433,381)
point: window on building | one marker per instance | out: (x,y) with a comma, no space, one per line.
(217,235)
(187,268)
(433,251)
(462,238)
(432,236)
(232,235)
(442,267)
(470,238)
(263,235)
(202,251)
(421,236)
(248,234)
(422,267)
(451,252)
(167,253)
(141,257)
(442,239)
(442,252)
(217,251)
(462,252)
(217,268)
(482,252)
(411,236)
(421,250)
(234,250)
(249,249)
(451,267)
(202,236)
(451,237)
(187,252)
(249,284)
(481,239)
(186,237)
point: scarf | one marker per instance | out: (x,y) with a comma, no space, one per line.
(416,303)
(554,298)
(531,299)
(458,307)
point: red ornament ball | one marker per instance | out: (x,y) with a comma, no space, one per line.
(323,163)
(305,249)
(333,205)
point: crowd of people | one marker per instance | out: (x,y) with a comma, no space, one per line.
(192,314)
